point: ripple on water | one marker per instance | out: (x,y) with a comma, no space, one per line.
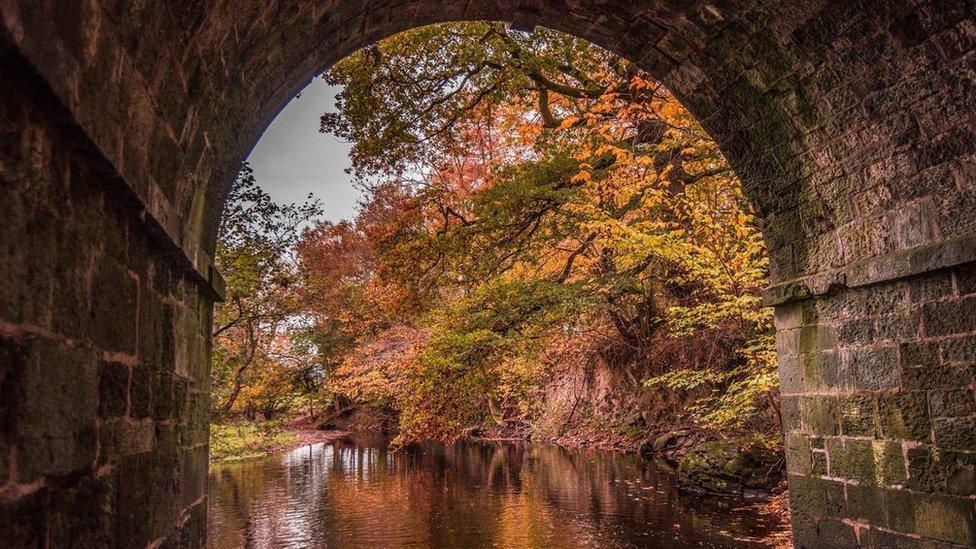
(342,494)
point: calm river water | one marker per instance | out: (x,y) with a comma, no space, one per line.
(354,493)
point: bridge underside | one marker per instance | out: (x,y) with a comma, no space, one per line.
(122,124)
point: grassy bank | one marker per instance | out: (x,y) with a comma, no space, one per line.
(241,440)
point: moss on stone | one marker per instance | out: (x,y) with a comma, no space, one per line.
(945,518)
(904,415)
(730,466)
(890,460)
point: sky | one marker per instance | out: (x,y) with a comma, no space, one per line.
(293,159)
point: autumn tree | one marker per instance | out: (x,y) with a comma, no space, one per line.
(263,286)
(498,163)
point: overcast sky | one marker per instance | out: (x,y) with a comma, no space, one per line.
(293,159)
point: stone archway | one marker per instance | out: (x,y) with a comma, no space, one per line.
(122,124)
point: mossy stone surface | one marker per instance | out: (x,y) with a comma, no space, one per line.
(730,466)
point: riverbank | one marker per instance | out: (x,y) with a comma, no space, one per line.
(745,465)
(704,462)
(239,440)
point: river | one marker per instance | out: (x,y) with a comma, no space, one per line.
(355,493)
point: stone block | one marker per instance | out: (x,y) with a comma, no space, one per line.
(135,479)
(918,355)
(959,471)
(163,396)
(949,317)
(822,370)
(790,373)
(113,389)
(966,280)
(54,409)
(859,331)
(788,341)
(872,368)
(946,518)
(195,429)
(959,350)
(115,296)
(824,497)
(896,328)
(57,392)
(933,287)
(817,337)
(70,310)
(804,528)
(195,465)
(925,473)
(864,239)
(150,328)
(167,351)
(29,300)
(81,515)
(798,455)
(914,224)
(904,415)
(794,315)
(956,433)
(900,507)
(140,392)
(852,459)
(819,415)
(866,504)
(890,461)
(952,403)
(953,207)
(945,147)
(119,438)
(790,412)
(942,375)
(858,414)
(148,495)
(55,456)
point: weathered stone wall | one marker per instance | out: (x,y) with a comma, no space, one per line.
(851,123)
(878,402)
(103,347)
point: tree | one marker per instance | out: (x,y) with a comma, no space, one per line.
(482,358)
(496,162)
(254,254)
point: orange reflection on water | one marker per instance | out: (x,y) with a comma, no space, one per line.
(358,494)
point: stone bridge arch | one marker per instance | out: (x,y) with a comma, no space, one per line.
(122,124)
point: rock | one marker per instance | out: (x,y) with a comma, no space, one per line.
(730,467)
(359,418)
(665,441)
(669,439)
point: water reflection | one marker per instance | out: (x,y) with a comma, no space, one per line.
(355,493)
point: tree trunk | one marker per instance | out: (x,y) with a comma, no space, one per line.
(239,371)
(497,414)
(238,382)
